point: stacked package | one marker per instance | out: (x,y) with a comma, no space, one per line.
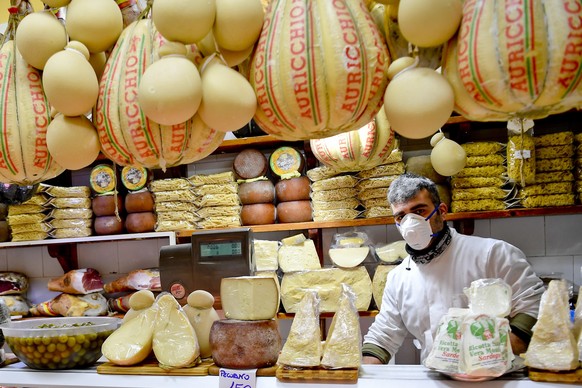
(333,196)
(174,204)
(374,183)
(578,166)
(216,200)
(107,204)
(29,220)
(139,201)
(553,172)
(71,214)
(256,192)
(481,184)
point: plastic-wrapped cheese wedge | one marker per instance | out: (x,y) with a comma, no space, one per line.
(489,296)
(249,298)
(392,252)
(343,347)
(131,343)
(175,344)
(552,345)
(348,257)
(303,346)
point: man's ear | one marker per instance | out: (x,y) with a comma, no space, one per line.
(443,208)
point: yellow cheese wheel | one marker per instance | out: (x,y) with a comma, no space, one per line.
(294,211)
(38,36)
(258,214)
(256,192)
(294,189)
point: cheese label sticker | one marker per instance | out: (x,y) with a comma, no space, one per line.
(237,378)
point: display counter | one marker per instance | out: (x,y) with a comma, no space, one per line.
(371,376)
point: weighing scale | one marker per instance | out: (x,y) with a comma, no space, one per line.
(201,264)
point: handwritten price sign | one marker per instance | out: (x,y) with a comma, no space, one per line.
(237,378)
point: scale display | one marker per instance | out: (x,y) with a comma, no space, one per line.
(223,248)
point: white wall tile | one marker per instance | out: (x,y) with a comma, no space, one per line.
(526,233)
(137,254)
(560,266)
(27,260)
(577,272)
(50,265)
(482,228)
(38,291)
(563,235)
(102,256)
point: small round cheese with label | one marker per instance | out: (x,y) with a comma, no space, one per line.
(134,178)
(102,179)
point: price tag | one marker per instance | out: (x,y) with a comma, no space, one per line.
(237,378)
(522,154)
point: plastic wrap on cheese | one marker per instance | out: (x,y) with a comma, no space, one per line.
(578,323)
(326,282)
(392,252)
(303,347)
(553,346)
(343,346)
(489,296)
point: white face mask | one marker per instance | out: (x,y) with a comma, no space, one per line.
(416,230)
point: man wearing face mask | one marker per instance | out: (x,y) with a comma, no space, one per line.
(441,263)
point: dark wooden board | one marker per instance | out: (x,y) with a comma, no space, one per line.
(269,371)
(349,376)
(555,377)
(151,367)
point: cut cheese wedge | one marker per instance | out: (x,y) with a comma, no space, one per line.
(131,343)
(249,298)
(175,343)
(303,346)
(348,257)
(299,257)
(265,255)
(293,240)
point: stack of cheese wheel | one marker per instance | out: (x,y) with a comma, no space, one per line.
(139,201)
(29,220)
(216,200)
(4,228)
(482,184)
(174,204)
(553,175)
(107,203)
(374,183)
(335,198)
(249,336)
(255,190)
(293,189)
(578,166)
(71,214)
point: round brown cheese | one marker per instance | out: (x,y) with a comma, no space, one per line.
(258,214)
(286,160)
(140,222)
(104,205)
(294,189)
(140,201)
(4,231)
(294,211)
(105,225)
(250,163)
(245,344)
(256,192)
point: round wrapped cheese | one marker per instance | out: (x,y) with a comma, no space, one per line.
(258,214)
(256,192)
(294,211)
(294,189)
(250,163)
(245,344)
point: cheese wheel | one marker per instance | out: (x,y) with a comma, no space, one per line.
(294,189)
(102,178)
(140,222)
(4,231)
(105,225)
(142,201)
(245,344)
(294,211)
(258,214)
(250,163)
(3,211)
(104,205)
(286,160)
(256,192)
(134,178)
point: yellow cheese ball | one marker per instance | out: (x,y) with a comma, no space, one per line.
(238,23)
(185,21)
(56,3)
(228,99)
(38,36)
(95,23)
(72,141)
(429,23)
(418,102)
(170,90)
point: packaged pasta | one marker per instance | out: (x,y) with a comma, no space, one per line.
(212,179)
(333,183)
(170,184)
(521,157)
(554,139)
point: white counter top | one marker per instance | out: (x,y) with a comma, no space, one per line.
(371,376)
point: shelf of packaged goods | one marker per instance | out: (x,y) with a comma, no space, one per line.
(65,249)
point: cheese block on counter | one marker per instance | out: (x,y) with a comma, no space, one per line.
(245,344)
(249,298)
(303,347)
(327,283)
(265,255)
(299,257)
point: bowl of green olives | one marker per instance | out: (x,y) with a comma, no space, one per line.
(59,343)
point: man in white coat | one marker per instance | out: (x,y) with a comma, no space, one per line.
(440,264)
